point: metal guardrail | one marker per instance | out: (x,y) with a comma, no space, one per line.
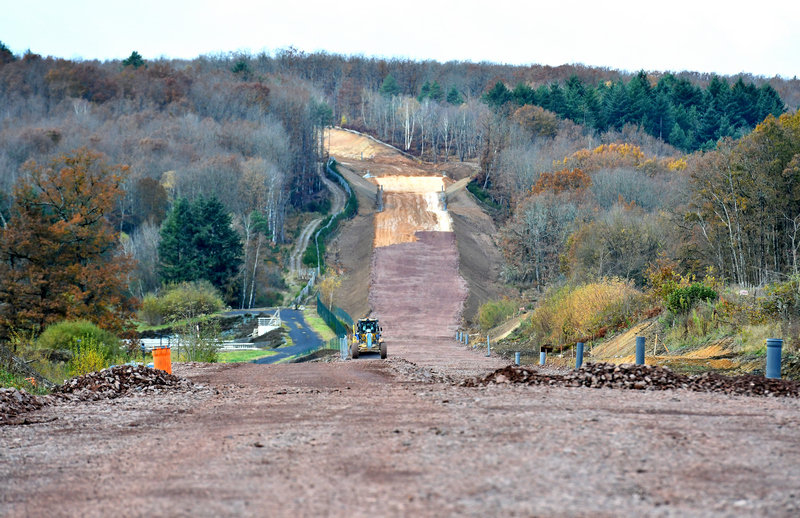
(153,343)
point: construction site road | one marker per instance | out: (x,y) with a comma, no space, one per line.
(338,203)
(373,438)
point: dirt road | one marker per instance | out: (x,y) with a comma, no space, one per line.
(339,200)
(365,438)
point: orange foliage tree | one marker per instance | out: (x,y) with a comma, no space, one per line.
(59,256)
(561,181)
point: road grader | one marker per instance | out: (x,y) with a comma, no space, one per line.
(367,338)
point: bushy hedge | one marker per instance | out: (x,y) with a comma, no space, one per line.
(681,300)
(73,335)
(180,301)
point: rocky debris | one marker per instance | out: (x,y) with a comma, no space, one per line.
(641,377)
(413,372)
(14,402)
(118,381)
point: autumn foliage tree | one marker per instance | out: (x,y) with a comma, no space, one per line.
(59,256)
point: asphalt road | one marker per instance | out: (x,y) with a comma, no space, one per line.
(303,337)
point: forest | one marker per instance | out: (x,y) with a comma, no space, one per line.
(590,173)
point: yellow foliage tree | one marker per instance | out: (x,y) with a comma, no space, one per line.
(328,286)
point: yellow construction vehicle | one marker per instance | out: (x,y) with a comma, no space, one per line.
(367,338)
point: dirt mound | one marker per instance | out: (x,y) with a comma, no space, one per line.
(120,380)
(15,402)
(642,377)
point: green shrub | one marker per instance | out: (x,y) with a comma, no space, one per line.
(483,195)
(152,310)
(71,334)
(681,300)
(495,312)
(782,299)
(181,301)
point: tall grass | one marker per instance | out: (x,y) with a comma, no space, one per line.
(573,313)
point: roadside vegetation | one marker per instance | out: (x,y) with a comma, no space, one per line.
(318,325)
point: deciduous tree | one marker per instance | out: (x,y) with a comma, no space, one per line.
(59,256)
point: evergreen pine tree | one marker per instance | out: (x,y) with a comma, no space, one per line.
(677,138)
(424,92)
(454,97)
(574,93)
(769,103)
(389,88)
(217,244)
(436,93)
(497,96)
(198,242)
(176,255)
(641,103)
(744,101)
(594,110)
(135,60)
(524,94)
(558,104)
(616,106)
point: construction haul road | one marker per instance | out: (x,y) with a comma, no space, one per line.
(400,437)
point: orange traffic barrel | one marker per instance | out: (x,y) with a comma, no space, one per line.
(162,359)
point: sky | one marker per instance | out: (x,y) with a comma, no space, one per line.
(760,38)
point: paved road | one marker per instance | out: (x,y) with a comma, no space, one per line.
(303,337)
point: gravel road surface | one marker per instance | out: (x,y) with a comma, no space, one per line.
(368,437)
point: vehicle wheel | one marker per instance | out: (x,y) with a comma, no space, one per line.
(383,351)
(354,351)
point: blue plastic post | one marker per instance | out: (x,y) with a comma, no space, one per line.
(639,350)
(542,357)
(488,346)
(579,356)
(774,346)
(457,336)
(516,358)
(466,338)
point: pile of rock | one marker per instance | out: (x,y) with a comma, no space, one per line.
(119,380)
(626,376)
(14,402)
(746,385)
(641,377)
